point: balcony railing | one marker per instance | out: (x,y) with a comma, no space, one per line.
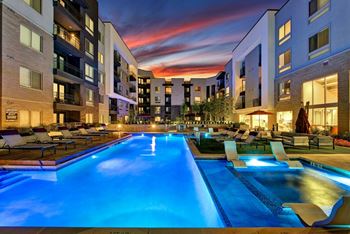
(69,37)
(69,7)
(68,99)
(68,68)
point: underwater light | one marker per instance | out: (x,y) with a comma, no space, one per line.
(257,163)
(94,157)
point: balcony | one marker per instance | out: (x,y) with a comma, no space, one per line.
(68,13)
(67,68)
(69,37)
(67,99)
(132,89)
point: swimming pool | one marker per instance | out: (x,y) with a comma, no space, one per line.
(261,190)
(146,181)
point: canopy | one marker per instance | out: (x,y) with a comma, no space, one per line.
(260,112)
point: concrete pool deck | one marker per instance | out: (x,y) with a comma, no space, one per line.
(31,160)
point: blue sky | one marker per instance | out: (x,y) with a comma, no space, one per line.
(183,38)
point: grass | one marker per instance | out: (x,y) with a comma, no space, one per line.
(211,146)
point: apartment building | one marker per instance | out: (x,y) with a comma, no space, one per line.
(26,79)
(312,43)
(121,73)
(75,61)
(144,95)
(252,74)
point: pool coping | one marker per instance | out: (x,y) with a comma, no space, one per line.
(54,165)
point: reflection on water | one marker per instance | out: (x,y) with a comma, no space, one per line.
(302,186)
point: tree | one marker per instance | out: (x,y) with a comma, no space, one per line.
(184,111)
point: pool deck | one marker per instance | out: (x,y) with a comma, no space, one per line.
(340,161)
(32,160)
(171,231)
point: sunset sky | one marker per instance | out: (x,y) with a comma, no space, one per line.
(183,38)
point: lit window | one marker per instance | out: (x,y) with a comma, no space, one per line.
(30,38)
(89,48)
(284,90)
(89,24)
(321,91)
(197,89)
(30,79)
(100,58)
(197,100)
(157,89)
(89,97)
(101,78)
(89,118)
(284,32)
(35,4)
(317,8)
(285,121)
(319,43)
(89,73)
(157,110)
(157,99)
(157,119)
(168,90)
(284,61)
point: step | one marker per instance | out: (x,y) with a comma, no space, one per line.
(8,176)
(12,181)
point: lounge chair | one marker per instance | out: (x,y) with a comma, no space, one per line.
(241,135)
(322,141)
(14,141)
(251,140)
(280,155)
(90,131)
(232,155)
(42,137)
(68,135)
(313,216)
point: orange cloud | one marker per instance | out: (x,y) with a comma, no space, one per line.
(184,71)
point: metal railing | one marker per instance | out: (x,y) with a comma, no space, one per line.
(67,99)
(68,68)
(69,37)
(69,7)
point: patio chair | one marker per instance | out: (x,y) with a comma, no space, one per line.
(313,216)
(87,131)
(252,140)
(196,129)
(322,141)
(280,155)
(68,135)
(240,135)
(232,155)
(14,141)
(84,132)
(296,141)
(42,137)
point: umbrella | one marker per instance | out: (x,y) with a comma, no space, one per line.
(302,124)
(259,113)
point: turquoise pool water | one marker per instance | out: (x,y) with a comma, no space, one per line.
(146,181)
(260,191)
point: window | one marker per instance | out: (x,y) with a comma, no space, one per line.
(167,99)
(323,118)
(101,58)
(101,37)
(317,42)
(321,91)
(30,79)
(157,110)
(30,38)
(284,61)
(101,78)
(35,118)
(29,118)
(89,73)
(168,90)
(24,119)
(89,48)
(285,121)
(35,4)
(157,99)
(197,100)
(284,32)
(317,8)
(89,118)
(89,97)
(187,100)
(89,24)
(157,119)
(284,90)
(197,89)
(157,89)
(167,110)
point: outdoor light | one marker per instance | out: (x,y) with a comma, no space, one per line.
(119,126)
(153,125)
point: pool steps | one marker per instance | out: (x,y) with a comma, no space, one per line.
(10,179)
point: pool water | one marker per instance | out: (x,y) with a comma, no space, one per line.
(146,181)
(253,197)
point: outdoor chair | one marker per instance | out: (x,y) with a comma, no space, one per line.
(296,141)
(280,155)
(66,134)
(232,155)
(313,216)
(42,137)
(252,140)
(322,141)
(14,141)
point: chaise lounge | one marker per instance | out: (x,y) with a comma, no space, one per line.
(280,155)
(68,135)
(232,155)
(14,141)
(42,137)
(313,216)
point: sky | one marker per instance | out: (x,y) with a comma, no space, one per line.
(183,38)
